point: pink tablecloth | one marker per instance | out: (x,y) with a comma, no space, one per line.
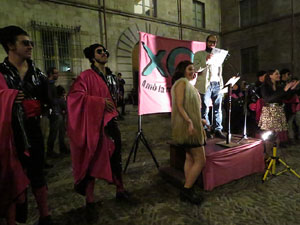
(232,163)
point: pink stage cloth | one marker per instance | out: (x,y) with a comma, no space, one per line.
(225,165)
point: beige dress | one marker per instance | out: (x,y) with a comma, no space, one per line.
(192,106)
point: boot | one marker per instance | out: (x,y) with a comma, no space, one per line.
(188,194)
(91,213)
(122,195)
(45,221)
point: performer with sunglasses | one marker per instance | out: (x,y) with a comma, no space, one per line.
(23,89)
(95,138)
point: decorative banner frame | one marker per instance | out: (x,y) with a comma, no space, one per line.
(158,59)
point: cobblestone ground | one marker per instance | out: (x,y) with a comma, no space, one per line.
(155,201)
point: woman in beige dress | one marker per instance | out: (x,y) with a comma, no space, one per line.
(187,126)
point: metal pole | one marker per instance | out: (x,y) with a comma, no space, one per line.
(104,18)
(100,21)
(228,137)
(179,18)
(292,36)
(140,123)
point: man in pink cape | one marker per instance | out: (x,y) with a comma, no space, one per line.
(95,138)
(23,89)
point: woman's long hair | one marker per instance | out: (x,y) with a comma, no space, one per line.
(180,69)
(268,80)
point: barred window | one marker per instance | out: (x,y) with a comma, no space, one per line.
(146,7)
(249,59)
(199,14)
(248,12)
(57,46)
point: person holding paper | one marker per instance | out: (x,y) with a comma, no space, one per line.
(209,84)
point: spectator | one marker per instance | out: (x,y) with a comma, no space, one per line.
(273,116)
(56,116)
(121,100)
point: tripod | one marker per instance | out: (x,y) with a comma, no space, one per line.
(139,137)
(272,166)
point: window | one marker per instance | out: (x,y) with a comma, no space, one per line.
(199,15)
(59,46)
(248,12)
(145,7)
(249,60)
(56,49)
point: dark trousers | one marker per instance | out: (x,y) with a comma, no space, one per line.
(112,130)
(33,164)
(121,103)
(57,125)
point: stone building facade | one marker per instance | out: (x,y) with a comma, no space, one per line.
(260,35)
(61,29)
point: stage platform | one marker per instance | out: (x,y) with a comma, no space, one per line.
(223,164)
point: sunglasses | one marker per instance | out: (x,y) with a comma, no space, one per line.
(212,42)
(27,43)
(100,51)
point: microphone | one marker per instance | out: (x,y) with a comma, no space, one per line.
(227,56)
(200,70)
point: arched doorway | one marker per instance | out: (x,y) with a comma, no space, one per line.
(128,54)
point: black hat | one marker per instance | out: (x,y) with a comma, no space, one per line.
(261,73)
(9,35)
(89,52)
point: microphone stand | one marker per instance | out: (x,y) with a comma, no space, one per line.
(244,137)
(228,137)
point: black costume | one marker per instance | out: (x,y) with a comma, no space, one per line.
(27,131)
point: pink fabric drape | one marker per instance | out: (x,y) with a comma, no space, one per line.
(13,181)
(232,164)
(91,148)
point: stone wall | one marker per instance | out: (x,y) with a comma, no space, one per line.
(272,34)
(122,26)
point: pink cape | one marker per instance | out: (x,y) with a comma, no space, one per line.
(91,148)
(13,181)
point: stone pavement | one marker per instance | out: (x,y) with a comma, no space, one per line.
(156,202)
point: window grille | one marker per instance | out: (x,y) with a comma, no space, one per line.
(57,46)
